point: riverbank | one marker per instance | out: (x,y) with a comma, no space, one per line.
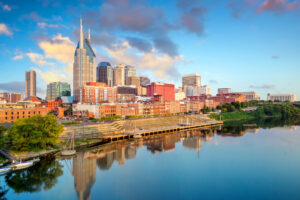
(97,134)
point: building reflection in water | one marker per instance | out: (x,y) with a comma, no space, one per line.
(103,157)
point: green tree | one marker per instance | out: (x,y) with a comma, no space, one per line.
(2,135)
(35,133)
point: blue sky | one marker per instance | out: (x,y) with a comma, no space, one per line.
(246,44)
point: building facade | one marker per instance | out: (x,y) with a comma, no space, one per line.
(105,73)
(84,68)
(129,72)
(133,80)
(119,75)
(250,96)
(167,91)
(224,90)
(58,89)
(16,97)
(30,83)
(191,80)
(96,93)
(281,97)
(5,96)
(197,90)
(144,81)
(9,115)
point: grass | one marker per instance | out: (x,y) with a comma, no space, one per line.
(70,123)
(232,116)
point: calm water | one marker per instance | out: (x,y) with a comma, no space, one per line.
(229,163)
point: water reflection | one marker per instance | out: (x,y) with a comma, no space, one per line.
(84,166)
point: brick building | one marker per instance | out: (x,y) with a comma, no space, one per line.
(10,115)
(167,91)
(95,93)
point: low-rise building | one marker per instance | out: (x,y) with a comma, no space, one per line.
(179,96)
(224,90)
(281,97)
(164,89)
(9,115)
(250,96)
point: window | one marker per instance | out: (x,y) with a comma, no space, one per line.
(5,113)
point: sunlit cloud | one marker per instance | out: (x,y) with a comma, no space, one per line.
(4,29)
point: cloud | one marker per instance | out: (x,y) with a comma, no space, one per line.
(140,44)
(4,30)
(45,25)
(39,59)
(192,16)
(275,57)
(16,86)
(161,65)
(33,16)
(278,6)
(18,57)
(240,7)
(59,49)
(165,45)
(264,86)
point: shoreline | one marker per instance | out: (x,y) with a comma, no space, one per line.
(91,142)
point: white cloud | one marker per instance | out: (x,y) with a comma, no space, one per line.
(45,25)
(161,65)
(6,8)
(18,57)
(4,29)
(39,59)
(52,76)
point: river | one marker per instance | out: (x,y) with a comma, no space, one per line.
(242,160)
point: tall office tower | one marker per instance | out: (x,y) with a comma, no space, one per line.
(84,68)
(105,73)
(129,72)
(191,80)
(58,89)
(144,81)
(119,75)
(30,83)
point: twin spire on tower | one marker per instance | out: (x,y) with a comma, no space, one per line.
(82,35)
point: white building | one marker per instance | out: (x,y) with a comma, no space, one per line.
(191,80)
(224,90)
(281,97)
(250,96)
(179,96)
(197,90)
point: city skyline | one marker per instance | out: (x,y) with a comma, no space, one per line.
(230,44)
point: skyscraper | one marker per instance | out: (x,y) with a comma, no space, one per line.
(191,80)
(84,68)
(30,83)
(105,73)
(129,72)
(144,81)
(58,89)
(119,75)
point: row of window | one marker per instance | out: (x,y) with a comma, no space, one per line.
(39,112)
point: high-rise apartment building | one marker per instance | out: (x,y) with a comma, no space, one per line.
(84,68)
(119,75)
(58,89)
(129,72)
(191,80)
(30,83)
(281,97)
(105,73)
(224,90)
(144,81)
